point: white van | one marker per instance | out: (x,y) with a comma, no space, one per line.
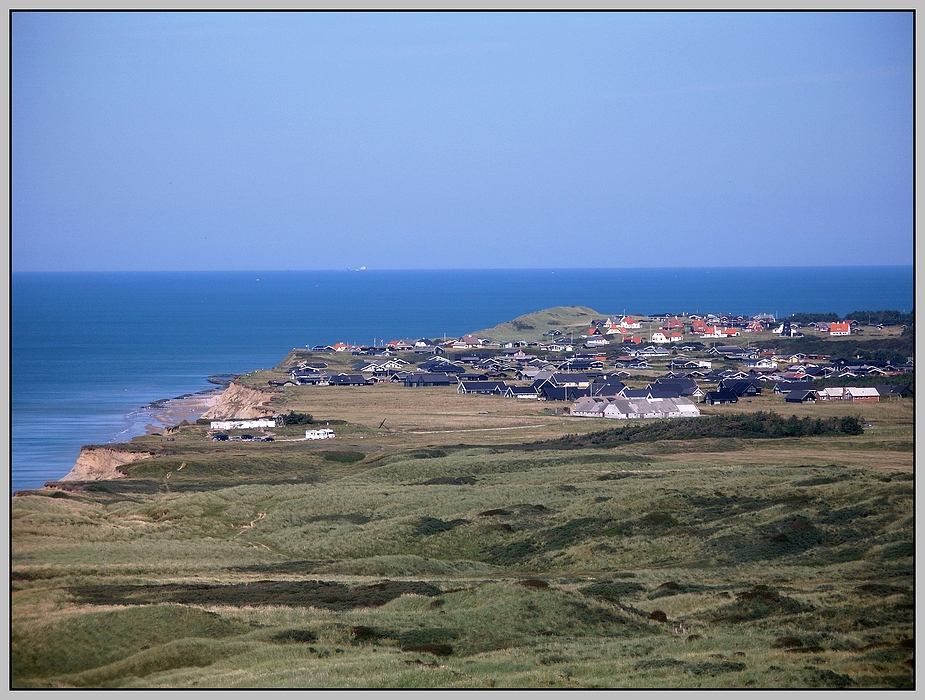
(320,434)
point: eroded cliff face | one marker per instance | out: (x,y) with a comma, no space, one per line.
(241,402)
(98,463)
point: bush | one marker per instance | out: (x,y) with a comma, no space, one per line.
(763,424)
(296,418)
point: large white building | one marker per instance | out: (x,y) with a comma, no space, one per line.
(625,409)
(243,424)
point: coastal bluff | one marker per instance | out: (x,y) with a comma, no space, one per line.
(100,463)
(239,401)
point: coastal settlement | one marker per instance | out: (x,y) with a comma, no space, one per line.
(621,367)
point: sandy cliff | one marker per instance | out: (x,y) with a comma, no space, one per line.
(96,463)
(241,402)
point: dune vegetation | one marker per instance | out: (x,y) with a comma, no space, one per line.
(480,542)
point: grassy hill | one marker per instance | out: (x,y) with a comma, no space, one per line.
(532,327)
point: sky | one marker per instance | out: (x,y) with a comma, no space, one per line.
(415,140)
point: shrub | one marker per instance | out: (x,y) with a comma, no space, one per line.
(296,418)
(294,637)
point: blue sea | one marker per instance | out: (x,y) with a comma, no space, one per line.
(89,350)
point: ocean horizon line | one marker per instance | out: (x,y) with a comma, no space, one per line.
(365,268)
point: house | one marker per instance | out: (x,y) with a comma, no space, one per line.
(801,396)
(741,387)
(862,393)
(440,365)
(664,391)
(788,330)
(684,387)
(589,407)
(521,392)
(311,378)
(840,328)
(428,349)
(762,363)
(787,387)
(569,379)
(720,396)
(629,323)
(632,394)
(718,332)
(679,364)
(832,393)
(419,379)
(581,364)
(344,379)
(473,377)
(608,387)
(380,366)
(548,392)
(726,351)
(895,391)
(625,409)
(489,387)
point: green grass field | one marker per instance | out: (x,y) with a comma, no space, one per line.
(433,555)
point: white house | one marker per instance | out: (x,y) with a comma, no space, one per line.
(624,409)
(243,424)
(630,323)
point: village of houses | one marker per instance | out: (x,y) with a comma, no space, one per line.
(693,360)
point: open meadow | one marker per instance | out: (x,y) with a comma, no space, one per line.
(474,541)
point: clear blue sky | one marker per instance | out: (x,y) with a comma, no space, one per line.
(201,141)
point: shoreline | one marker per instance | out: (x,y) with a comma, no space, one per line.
(165,413)
(151,418)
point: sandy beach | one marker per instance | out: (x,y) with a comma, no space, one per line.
(171,412)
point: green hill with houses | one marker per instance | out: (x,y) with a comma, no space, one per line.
(535,326)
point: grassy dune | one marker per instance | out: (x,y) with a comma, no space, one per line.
(426,556)
(533,326)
